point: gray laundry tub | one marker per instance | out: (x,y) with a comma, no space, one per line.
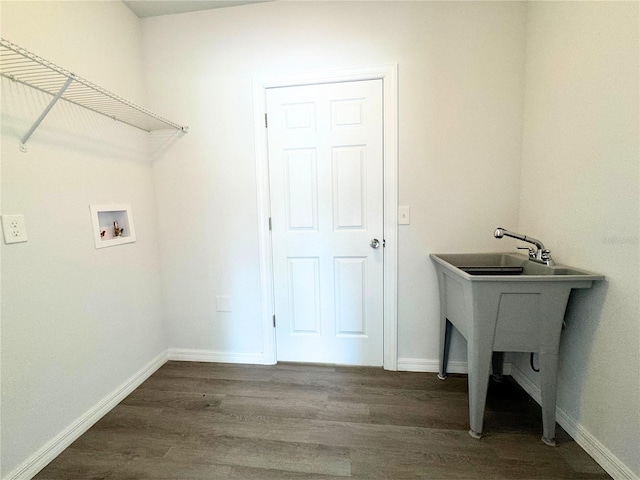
(503,302)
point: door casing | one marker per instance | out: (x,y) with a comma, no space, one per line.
(388,73)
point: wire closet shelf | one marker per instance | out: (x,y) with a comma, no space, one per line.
(22,66)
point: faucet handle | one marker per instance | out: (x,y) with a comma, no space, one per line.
(532,252)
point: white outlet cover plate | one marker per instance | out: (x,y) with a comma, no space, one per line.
(14,228)
(223,303)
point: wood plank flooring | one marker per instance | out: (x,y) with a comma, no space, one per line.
(210,421)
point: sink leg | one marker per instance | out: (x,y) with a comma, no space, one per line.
(445,341)
(497,362)
(548,390)
(479,363)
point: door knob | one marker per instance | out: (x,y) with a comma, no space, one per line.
(374,243)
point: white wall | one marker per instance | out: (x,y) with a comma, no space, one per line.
(76,322)
(580,195)
(461,69)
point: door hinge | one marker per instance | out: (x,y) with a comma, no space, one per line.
(266,123)
(269,223)
(384,243)
(274,320)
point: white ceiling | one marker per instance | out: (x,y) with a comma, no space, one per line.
(153,8)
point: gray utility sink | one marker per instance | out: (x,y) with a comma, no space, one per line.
(502,302)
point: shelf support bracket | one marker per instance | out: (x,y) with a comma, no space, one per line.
(53,101)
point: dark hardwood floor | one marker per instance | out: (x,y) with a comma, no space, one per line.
(209,421)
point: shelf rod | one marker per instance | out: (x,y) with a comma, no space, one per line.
(53,101)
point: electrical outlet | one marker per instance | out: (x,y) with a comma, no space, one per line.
(14,228)
(223,303)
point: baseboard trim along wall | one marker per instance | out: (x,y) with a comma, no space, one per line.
(191,355)
(56,445)
(425,365)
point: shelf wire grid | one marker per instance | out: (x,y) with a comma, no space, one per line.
(24,67)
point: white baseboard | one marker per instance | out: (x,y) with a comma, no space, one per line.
(601,454)
(40,459)
(425,365)
(191,355)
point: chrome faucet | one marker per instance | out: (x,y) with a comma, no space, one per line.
(540,254)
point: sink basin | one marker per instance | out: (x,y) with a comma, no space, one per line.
(503,302)
(490,264)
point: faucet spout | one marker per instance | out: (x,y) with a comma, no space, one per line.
(541,254)
(501,232)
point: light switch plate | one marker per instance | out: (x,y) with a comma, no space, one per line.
(14,228)
(404,215)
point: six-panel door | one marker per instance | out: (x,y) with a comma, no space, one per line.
(326,187)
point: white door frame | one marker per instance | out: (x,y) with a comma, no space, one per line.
(389,76)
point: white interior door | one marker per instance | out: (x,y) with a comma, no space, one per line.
(326,186)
